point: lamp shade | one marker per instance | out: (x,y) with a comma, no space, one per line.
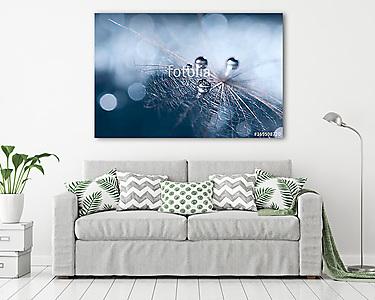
(334,118)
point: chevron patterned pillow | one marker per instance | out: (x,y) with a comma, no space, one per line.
(139,191)
(234,191)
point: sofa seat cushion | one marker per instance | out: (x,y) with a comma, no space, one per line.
(131,225)
(242,225)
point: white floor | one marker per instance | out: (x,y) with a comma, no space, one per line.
(40,284)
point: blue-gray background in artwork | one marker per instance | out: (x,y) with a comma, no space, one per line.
(189,75)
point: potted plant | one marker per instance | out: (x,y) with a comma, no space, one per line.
(14,174)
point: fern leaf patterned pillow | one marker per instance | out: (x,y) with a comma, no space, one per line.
(96,195)
(276,192)
(139,191)
(234,191)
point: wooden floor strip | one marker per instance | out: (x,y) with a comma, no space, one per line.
(15,285)
(34,286)
(364,288)
(277,289)
(165,289)
(344,289)
(53,289)
(120,289)
(232,289)
(322,289)
(76,289)
(98,289)
(4,281)
(187,289)
(255,289)
(143,289)
(209,289)
(300,290)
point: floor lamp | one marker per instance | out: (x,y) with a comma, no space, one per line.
(336,119)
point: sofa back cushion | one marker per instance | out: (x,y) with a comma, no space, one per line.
(200,170)
(175,170)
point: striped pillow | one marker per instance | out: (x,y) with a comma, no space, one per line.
(234,191)
(139,191)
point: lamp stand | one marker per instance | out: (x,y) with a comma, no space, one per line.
(361,267)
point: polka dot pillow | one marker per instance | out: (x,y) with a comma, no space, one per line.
(186,198)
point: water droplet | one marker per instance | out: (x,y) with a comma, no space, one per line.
(137,91)
(201,62)
(108,102)
(231,65)
(203,86)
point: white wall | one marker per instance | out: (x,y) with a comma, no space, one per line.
(47,100)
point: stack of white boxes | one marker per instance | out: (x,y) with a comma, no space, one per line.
(16,241)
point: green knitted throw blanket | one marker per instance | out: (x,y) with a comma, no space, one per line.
(335,267)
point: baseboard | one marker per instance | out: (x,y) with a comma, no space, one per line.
(41,260)
(350,259)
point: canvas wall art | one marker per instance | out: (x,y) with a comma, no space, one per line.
(183,75)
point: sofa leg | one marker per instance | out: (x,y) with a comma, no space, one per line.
(312,277)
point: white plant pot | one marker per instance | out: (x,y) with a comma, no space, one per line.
(11,207)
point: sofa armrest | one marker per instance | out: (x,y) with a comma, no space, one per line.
(65,212)
(309,212)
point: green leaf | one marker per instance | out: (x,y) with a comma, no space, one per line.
(47,155)
(112,172)
(262,176)
(17,160)
(289,190)
(71,186)
(91,203)
(26,179)
(263,195)
(109,184)
(32,159)
(39,167)
(18,189)
(78,187)
(5,173)
(7,150)
(108,207)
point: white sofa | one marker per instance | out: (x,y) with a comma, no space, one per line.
(223,243)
